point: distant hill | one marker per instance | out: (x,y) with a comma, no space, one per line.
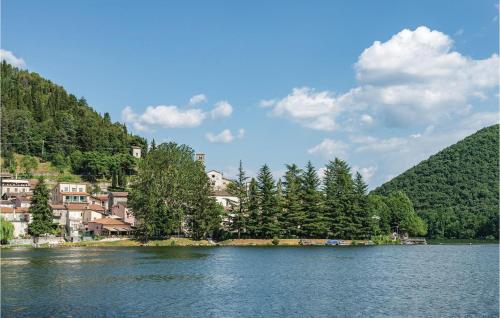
(39,118)
(456,190)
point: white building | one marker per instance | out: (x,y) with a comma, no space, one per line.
(217,180)
(70,192)
(14,186)
(136,151)
(19,217)
(225,199)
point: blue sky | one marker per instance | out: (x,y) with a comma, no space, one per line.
(275,81)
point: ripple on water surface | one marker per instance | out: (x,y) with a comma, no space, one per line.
(379,281)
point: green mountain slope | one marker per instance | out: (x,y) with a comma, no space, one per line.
(39,118)
(456,190)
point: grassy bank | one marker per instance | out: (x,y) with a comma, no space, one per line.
(460,241)
(238,242)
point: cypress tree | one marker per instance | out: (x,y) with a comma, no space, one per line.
(238,213)
(40,211)
(267,203)
(293,216)
(339,190)
(361,215)
(254,221)
(315,224)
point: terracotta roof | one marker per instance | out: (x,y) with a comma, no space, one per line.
(12,210)
(76,206)
(101,197)
(109,221)
(74,193)
(119,194)
(95,207)
(57,206)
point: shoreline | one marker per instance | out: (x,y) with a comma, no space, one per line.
(185,242)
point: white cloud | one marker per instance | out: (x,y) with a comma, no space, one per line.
(10,58)
(394,155)
(165,116)
(366,172)
(413,78)
(225,136)
(197,99)
(366,119)
(221,109)
(330,149)
(308,107)
(171,116)
(267,103)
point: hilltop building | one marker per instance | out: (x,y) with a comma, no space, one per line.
(136,152)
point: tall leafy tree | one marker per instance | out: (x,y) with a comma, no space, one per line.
(315,224)
(361,215)
(239,210)
(170,190)
(40,211)
(267,203)
(403,216)
(339,192)
(293,217)
(254,221)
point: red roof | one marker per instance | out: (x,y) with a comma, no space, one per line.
(109,221)
(12,210)
(95,207)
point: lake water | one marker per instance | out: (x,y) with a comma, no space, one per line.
(377,281)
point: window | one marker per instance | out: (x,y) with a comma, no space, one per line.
(75,198)
(15,190)
(82,198)
(73,189)
(8,189)
(80,189)
(68,198)
(65,189)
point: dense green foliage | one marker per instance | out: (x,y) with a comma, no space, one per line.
(456,190)
(6,231)
(40,211)
(306,206)
(41,119)
(171,194)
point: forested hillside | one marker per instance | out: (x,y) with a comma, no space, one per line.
(39,118)
(456,190)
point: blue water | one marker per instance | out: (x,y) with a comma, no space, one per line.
(378,281)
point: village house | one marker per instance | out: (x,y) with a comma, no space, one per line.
(14,186)
(74,218)
(19,217)
(59,215)
(123,212)
(225,199)
(100,199)
(67,192)
(116,197)
(217,180)
(22,201)
(92,213)
(108,227)
(136,151)
(7,204)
